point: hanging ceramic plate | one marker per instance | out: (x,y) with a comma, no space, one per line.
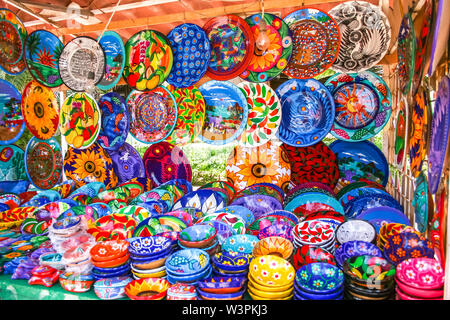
(148,60)
(11,163)
(92,164)
(439,45)
(267,164)
(12,41)
(115,121)
(401,133)
(12,124)
(82,63)
(191,114)
(127,163)
(114,50)
(226,112)
(420,129)
(440,130)
(79,120)
(44,162)
(363,105)
(40,110)
(232,44)
(153,114)
(365,35)
(316,40)
(267,63)
(421,203)
(406,47)
(360,161)
(42,51)
(264,114)
(316,163)
(307,112)
(191,54)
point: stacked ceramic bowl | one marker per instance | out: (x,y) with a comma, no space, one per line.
(231,263)
(188,266)
(147,289)
(62,230)
(148,256)
(419,279)
(222,288)
(277,246)
(355,248)
(111,288)
(319,281)
(369,278)
(317,233)
(389,229)
(182,291)
(355,229)
(110,259)
(201,236)
(271,278)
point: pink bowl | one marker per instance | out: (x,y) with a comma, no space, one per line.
(403,296)
(422,273)
(419,293)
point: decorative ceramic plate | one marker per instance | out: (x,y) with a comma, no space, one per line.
(226,112)
(12,166)
(40,110)
(80,120)
(127,163)
(401,133)
(406,47)
(356,230)
(236,222)
(267,163)
(440,130)
(316,41)
(42,51)
(421,203)
(406,245)
(153,114)
(264,114)
(82,63)
(360,161)
(232,44)
(310,198)
(44,162)
(307,112)
(361,191)
(357,205)
(365,35)
(379,216)
(114,49)
(209,201)
(355,248)
(92,164)
(191,55)
(12,41)
(191,114)
(148,60)
(363,104)
(112,227)
(12,124)
(268,62)
(319,277)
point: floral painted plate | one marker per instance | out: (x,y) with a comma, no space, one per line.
(12,125)
(307,112)
(267,63)
(421,203)
(114,49)
(12,41)
(242,243)
(319,277)
(209,201)
(127,163)
(401,133)
(12,165)
(406,53)
(355,248)
(226,112)
(316,41)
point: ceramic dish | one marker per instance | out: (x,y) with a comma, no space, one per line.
(307,254)
(147,289)
(241,243)
(222,284)
(355,207)
(356,230)
(369,269)
(149,246)
(355,248)
(406,47)
(270,270)
(309,200)
(234,221)
(13,125)
(278,246)
(419,293)
(421,273)
(221,296)
(207,200)
(319,278)
(111,288)
(114,50)
(187,261)
(407,245)
(13,39)
(232,261)
(276,230)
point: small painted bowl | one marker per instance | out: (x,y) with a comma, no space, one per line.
(211,249)
(194,278)
(313,232)
(319,278)
(232,261)
(269,295)
(111,288)
(369,270)
(198,236)
(187,261)
(75,282)
(265,288)
(205,295)
(149,246)
(355,248)
(242,243)
(147,289)
(257,297)
(401,295)
(356,230)
(276,230)
(422,273)
(271,270)
(310,254)
(109,250)
(417,292)
(222,284)
(389,229)
(182,291)
(336,295)
(277,246)
(150,264)
(402,246)
(224,230)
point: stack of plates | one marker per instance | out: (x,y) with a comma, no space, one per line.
(201,236)
(231,263)
(182,291)
(317,233)
(110,259)
(222,288)
(389,229)
(188,266)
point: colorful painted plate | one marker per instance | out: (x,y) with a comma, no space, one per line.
(267,63)
(92,164)
(232,44)
(264,114)
(113,227)
(191,55)
(421,203)
(226,112)
(11,54)
(316,41)
(361,191)
(365,35)
(314,197)
(191,115)
(363,105)
(437,225)
(12,124)
(440,131)
(267,163)
(209,201)
(44,162)
(42,51)
(153,114)
(381,215)
(406,47)
(82,63)
(80,120)
(127,163)
(114,49)
(401,133)
(355,248)
(307,112)
(40,110)
(12,165)
(148,60)
(359,204)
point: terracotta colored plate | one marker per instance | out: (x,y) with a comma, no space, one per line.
(11,56)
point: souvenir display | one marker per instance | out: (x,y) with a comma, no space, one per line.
(12,40)
(406,47)
(127,163)
(12,124)
(114,50)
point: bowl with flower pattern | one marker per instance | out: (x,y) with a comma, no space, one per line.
(232,261)
(148,246)
(418,292)
(147,289)
(198,236)
(369,271)
(111,288)
(355,248)
(242,243)
(308,254)
(276,230)
(406,245)
(187,261)
(109,250)
(259,286)
(389,229)
(270,270)
(421,273)
(269,294)
(278,246)
(222,284)
(319,278)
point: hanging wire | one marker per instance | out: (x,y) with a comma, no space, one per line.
(109,21)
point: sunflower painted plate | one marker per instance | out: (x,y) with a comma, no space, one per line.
(226,112)
(127,163)
(148,60)
(153,114)
(232,44)
(114,49)
(80,120)
(12,124)
(315,39)
(82,63)
(12,166)
(308,112)
(401,133)
(363,104)
(12,42)
(40,110)
(267,63)
(406,47)
(113,227)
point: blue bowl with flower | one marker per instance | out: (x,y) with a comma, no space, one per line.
(220,285)
(205,295)
(277,230)
(355,248)
(149,246)
(187,262)
(319,278)
(241,243)
(190,278)
(303,295)
(232,261)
